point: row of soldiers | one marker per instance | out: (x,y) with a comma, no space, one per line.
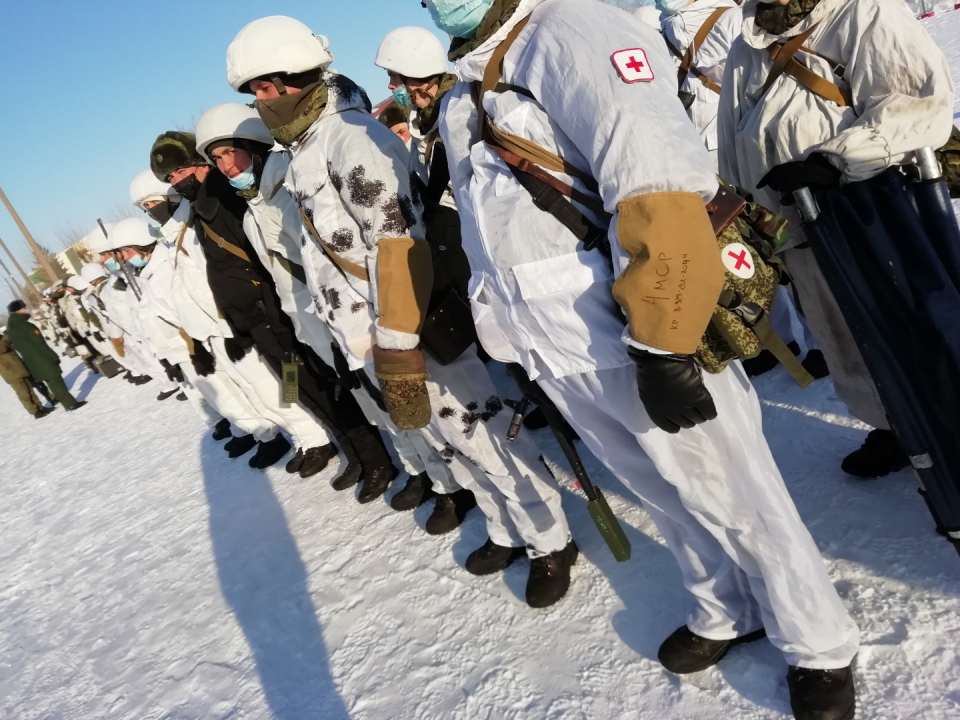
(556,210)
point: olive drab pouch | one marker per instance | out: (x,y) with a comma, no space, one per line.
(747,237)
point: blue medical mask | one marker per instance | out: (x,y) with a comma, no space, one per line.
(401,97)
(245,180)
(138,261)
(112,265)
(459,18)
(671,7)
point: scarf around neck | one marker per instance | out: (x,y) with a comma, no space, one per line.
(777,19)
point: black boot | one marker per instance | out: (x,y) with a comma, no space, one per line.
(414,494)
(43,412)
(164,395)
(239,446)
(375,483)
(535,420)
(77,406)
(491,558)
(686,652)
(296,462)
(450,511)
(880,454)
(221,430)
(822,694)
(815,364)
(182,397)
(316,459)
(550,576)
(142,380)
(761,364)
(270,452)
(348,478)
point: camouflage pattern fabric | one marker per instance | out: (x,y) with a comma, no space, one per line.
(777,19)
(728,337)
(949,157)
(406,399)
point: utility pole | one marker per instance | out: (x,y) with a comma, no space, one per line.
(42,260)
(29,289)
(14,289)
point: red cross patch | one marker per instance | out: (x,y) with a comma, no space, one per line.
(632,65)
(738,260)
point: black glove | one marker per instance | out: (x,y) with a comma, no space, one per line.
(203,362)
(348,378)
(816,172)
(173,371)
(236,350)
(97,336)
(672,390)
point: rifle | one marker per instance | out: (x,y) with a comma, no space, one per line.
(129,276)
(597,505)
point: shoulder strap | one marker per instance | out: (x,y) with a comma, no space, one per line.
(224,244)
(686,61)
(520,153)
(784,62)
(351,268)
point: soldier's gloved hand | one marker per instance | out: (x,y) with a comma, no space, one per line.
(402,375)
(236,350)
(172,371)
(202,360)
(816,173)
(672,390)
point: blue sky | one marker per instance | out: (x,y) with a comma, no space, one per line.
(87,86)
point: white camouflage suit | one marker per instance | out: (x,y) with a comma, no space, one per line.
(273,226)
(714,491)
(902,101)
(350,174)
(249,386)
(680,30)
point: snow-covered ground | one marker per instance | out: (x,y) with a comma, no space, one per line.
(143,576)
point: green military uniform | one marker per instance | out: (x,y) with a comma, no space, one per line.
(15,374)
(42,362)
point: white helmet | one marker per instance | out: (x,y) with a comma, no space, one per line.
(132,232)
(650,15)
(96,241)
(77,283)
(146,187)
(412,52)
(92,272)
(230,120)
(275,44)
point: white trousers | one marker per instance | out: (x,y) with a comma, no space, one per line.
(262,388)
(717,496)
(468,428)
(851,379)
(228,400)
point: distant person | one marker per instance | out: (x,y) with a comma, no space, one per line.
(395,117)
(16,375)
(42,362)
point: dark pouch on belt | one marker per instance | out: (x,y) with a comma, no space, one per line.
(448,330)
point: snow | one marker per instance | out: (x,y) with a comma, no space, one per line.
(143,576)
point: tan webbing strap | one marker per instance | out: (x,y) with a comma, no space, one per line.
(784,62)
(775,344)
(225,244)
(179,244)
(191,348)
(686,62)
(525,166)
(348,267)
